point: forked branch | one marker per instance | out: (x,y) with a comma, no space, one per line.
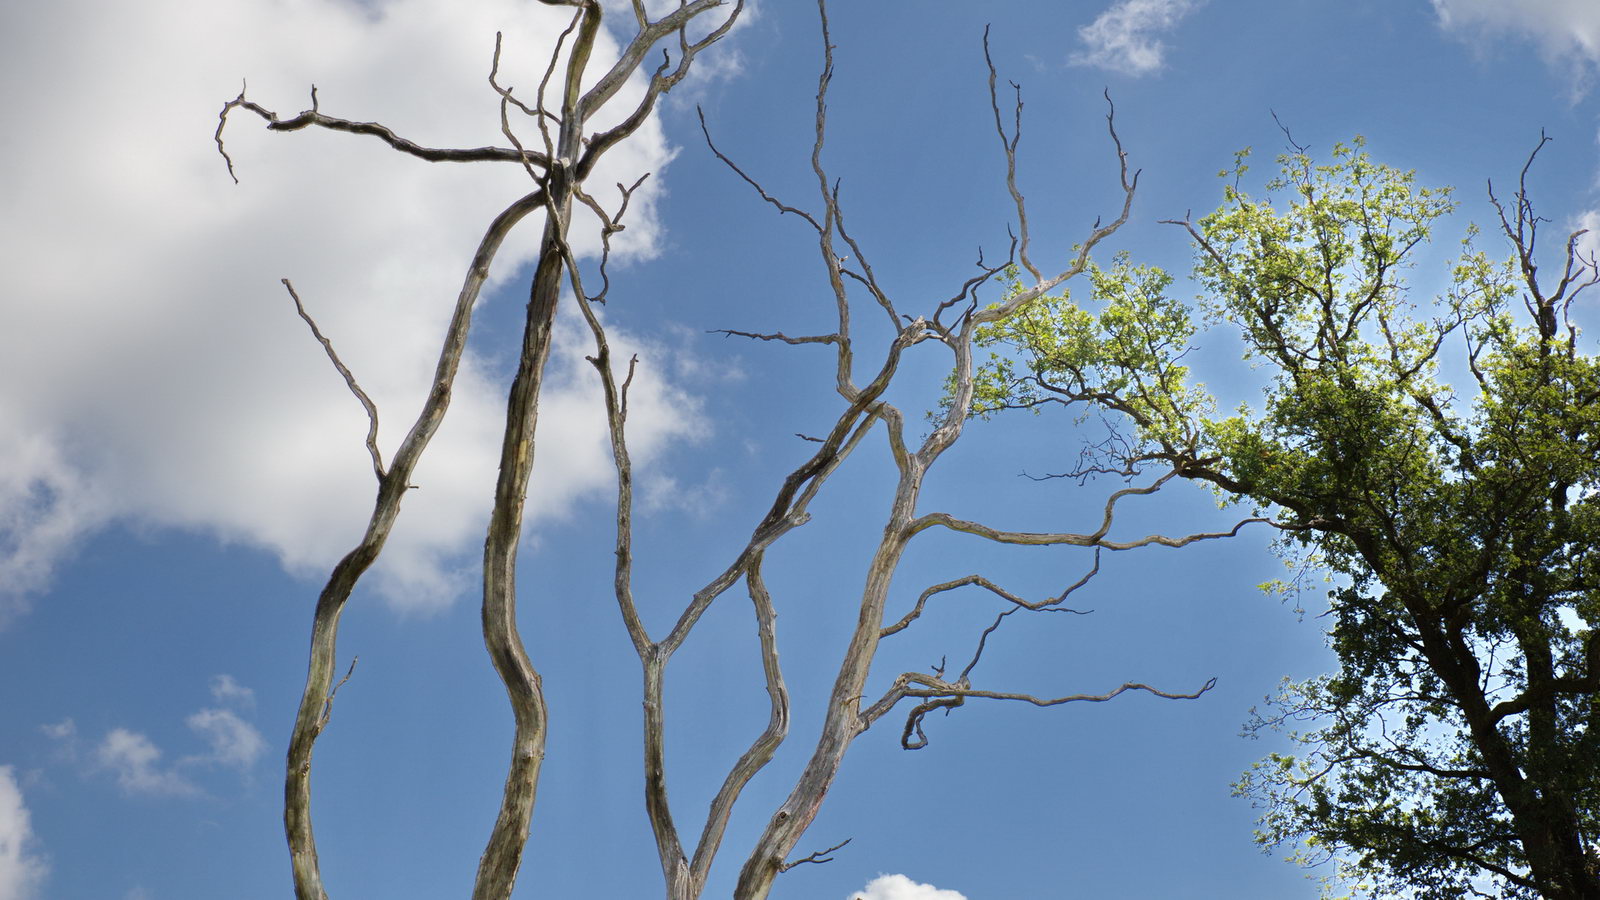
(392,486)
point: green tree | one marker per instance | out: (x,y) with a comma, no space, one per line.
(1456,751)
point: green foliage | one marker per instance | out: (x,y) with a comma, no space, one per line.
(1457,748)
(1125,357)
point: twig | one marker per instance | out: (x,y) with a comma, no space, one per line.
(327,705)
(821,856)
(778,204)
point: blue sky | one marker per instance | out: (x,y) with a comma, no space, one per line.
(182,466)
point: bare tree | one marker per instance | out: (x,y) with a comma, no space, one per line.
(565,155)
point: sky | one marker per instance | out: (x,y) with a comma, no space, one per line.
(182,466)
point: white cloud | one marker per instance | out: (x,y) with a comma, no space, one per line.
(899,887)
(43,502)
(664,492)
(224,689)
(169,381)
(1567,31)
(232,740)
(137,764)
(1126,37)
(229,742)
(1589,244)
(22,868)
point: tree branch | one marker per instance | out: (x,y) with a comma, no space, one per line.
(349,379)
(313,117)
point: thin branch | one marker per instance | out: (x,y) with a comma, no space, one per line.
(788,511)
(765,745)
(1045,539)
(327,705)
(542,115)
(1009,146)
(312,117)
(609,224)
(969,288)
(775,202)
(821,856)
(949,696)
(1098,232)
(778,336)
(867,278)
(986,584)
(349,379)
(661,81)
(506,101)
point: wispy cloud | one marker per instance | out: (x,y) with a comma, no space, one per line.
(1566,32)
(22,866)
(136,763)
(899,887)
(225,690)
(63,730)
(231,741)
(662,493)
(1126,37)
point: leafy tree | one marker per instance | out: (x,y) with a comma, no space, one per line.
(1456,751)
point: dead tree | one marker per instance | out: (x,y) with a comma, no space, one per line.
(561,112)
(564,155)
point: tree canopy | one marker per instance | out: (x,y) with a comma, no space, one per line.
(1455,751)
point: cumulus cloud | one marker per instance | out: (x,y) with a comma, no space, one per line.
(899,887)
(22,868)
(1567,32)
(1126,37)
(169,382)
